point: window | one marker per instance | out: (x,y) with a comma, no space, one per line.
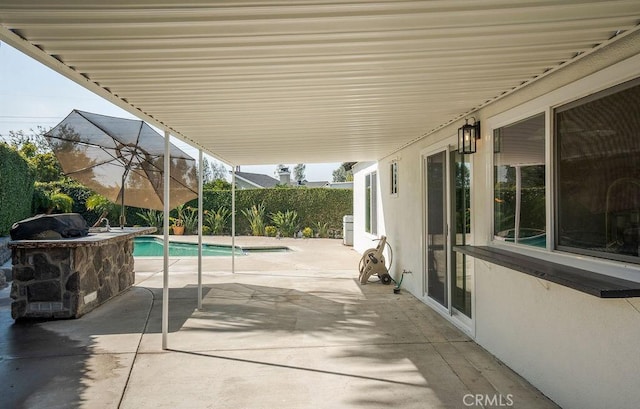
(394,178)
(598,174)
(371,213)
(519,182)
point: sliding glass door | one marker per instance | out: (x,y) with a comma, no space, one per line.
(447,275)
(436,277)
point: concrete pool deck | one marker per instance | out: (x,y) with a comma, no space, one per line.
(288,330)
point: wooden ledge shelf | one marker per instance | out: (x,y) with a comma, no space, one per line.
(596,284)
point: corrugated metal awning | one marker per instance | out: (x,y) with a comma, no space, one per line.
(307,81)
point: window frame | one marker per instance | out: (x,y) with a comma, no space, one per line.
(589,85)
(595,96)
(394,178)
(371,202)
(547,186)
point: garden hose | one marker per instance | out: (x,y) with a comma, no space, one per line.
(396,289)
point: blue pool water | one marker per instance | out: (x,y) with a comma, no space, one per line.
(532,237)
(150,247)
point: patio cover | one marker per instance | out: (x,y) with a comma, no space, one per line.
(309,80)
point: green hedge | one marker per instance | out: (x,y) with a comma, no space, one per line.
(16,188)
(312,205)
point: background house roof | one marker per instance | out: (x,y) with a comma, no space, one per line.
(257,179)
(308,80)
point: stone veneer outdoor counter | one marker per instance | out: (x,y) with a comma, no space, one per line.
(70,277)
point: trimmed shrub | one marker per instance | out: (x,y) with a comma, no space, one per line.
(307,232)
(270,231)
(313,206)
(16,188)
(61,202)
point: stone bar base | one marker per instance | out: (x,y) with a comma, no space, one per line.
(68,278)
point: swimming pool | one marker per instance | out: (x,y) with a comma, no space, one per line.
(153,247)
(145,246)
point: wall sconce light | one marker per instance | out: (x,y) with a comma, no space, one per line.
(467,137)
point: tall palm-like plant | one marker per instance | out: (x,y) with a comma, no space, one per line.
(152,218)
(286,223)
(217,221)
(255,216)
(190,216)
(322,229)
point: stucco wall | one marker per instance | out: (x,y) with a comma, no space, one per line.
(579,350)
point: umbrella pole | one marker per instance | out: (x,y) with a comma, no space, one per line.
(122,218)
(124,175)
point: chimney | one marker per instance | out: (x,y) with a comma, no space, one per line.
(285,176)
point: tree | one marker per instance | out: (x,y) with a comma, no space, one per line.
(213,170)
(47,167)
(36,151)
(206,171)
(19,140)
(47,199)
(218,170)
(281,168)
(341,175)
(298,172)
(218,184)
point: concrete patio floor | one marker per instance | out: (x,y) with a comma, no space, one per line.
(288,330)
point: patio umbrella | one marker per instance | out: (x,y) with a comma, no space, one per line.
(122,159)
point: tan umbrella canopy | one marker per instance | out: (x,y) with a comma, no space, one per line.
(122,159)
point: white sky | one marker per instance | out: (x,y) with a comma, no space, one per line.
(33,95)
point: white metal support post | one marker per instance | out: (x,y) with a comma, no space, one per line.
(200,198)
(165,274)
(516,233)
(233,220)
